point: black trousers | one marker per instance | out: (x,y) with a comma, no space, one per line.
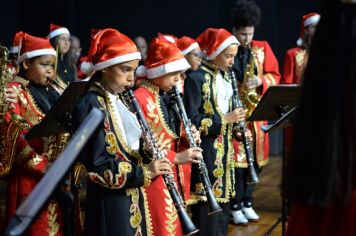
(212,225)
(243,190)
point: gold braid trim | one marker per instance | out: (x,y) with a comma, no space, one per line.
(136,217)
(148,219)
(171,214)
(155,90)
(146,176)
(204,126)
(53,226)
(109,180)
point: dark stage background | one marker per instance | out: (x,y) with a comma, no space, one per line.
(280,20)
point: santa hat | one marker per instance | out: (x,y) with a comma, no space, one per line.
(308,19)
(169,37)
(34,47)
(163,58)
(16,43)
(187,44)
(55,30)
(213,41)
(110,47)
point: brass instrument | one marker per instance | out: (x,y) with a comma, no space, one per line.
(249,96)
(6,160)
(4,79)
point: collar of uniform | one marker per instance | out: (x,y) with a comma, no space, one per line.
(150,86)
(214,70)
(98,88)
(21,81)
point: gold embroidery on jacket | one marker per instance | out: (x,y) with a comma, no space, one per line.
(148,218)
(219,171)
(109,180)
(300,60)
(171,214)
(156,111)
(205,124)
(53,226)
(136,217)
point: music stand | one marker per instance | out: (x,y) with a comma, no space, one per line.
(278,106)
(29,209)
(58,119)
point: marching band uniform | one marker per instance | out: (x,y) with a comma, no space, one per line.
(31,157)
(116,200)
(207,99)
(163,118)
(295,62)
(257,67)
(296,58)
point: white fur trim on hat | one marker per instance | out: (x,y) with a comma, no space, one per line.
(57,32)
(170,67)
(141,71)
(300,42)
(229,41)
(15,49)
(36,53)
(312,20)
(117,60)
(169,38)
(190,48)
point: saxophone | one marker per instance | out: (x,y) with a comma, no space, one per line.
(9,130)
(4,79)
(249,96)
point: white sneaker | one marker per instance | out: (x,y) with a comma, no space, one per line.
(250,214)
(238,218)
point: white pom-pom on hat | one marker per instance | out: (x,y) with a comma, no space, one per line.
(87,67)
(141,71)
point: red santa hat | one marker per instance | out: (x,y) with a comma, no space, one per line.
(34,47)
(163,58)
(187,44)
(214,41)
(55,30)
(169,37)
(308,19)
(110,47)
(16,43)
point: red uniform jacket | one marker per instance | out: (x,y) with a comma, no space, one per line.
(294,65)
(164,216)
(31,159)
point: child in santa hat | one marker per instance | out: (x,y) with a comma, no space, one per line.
(163,66)
(116,202)
(66,71)
(192,53)
(207,97)
(32,158)
(296,58)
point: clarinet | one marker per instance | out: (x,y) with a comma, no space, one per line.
(213,206)
(241,127)
(187,225)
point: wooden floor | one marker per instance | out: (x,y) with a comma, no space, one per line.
(267,201)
